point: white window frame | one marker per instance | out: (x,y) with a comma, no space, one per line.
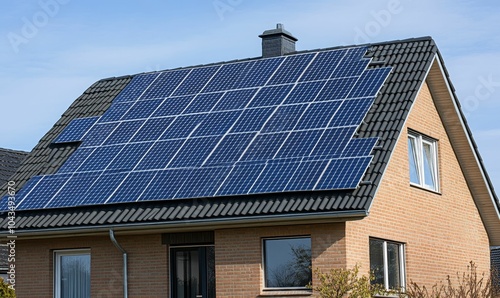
(402,265)
(420,140)
(57,265)
(264,263)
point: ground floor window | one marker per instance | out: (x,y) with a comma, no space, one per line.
(387,262)
(72,273)
(287,262)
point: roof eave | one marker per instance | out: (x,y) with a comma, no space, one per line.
(195,224)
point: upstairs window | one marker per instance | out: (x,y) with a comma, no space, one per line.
(422,156)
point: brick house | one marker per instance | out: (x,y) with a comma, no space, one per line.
(408,196)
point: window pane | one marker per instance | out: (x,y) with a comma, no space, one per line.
(394,264)
(413,159)
(287,262)
(429,165)
(75,276)
(377,260)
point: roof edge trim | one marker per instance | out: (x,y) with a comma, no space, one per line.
(470,139)
(264,220)
(391,150)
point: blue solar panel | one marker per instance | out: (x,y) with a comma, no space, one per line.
(136,87)
(100,158)
(216,123)
(259,126)
(43,192)
(116,112)
(203,182)
(152,129)
(142,109)
(103,187)
(336,89)
(203,103)
(183,126)
(323,65)
(235,100)
(274,177)
(318,115)
(265,146)
(124,132)
(343,173)
(306,175)
(132,187)
(252,120)
(165,184)
(70,194)
(165,84)
(333,141)
(270,96)
(299,143)
(129,156)
(285,118)
(98,134)
(193,152)
(159,156)
(230,149)
(351,112)
(240,179)
(173,106)
(227,77)
(359,147)
(196,80)
(76,160)
(304,92)
(75,130)
(291,69)
(258,73)
(369,83)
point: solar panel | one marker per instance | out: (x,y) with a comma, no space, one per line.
(75,130)
(257,126)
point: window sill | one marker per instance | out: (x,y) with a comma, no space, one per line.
(425,188)
(285,293)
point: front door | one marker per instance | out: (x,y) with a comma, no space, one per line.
(193,272)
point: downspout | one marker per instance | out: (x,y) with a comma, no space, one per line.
(125,271)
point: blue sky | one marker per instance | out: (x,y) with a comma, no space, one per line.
(52,50)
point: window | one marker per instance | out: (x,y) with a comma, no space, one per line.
(387,263)
(72,273)
(422,156)
(287,262)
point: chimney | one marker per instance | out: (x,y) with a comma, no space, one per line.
(277,42)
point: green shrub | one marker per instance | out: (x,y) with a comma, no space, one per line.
(5,291)
(340,283)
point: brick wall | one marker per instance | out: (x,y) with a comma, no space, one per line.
(238,255)
(442,232)
(147,265)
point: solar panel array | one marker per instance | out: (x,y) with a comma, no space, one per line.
(258,126)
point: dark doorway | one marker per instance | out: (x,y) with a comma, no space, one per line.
(193,272)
